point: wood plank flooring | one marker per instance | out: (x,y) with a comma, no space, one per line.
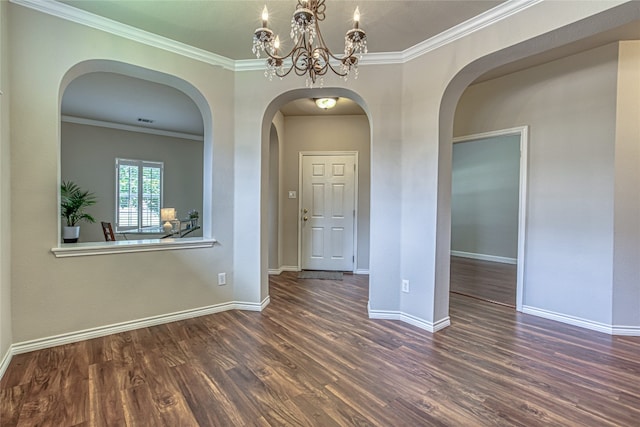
(490,281)
(313,358)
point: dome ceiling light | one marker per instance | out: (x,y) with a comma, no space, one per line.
(326,103)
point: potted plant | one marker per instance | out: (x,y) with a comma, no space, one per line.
(193,217)
(73,202)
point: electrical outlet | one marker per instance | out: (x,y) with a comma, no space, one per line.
(222,279)
(405,286)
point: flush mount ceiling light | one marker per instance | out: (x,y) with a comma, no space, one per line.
(310,55)
(326,103)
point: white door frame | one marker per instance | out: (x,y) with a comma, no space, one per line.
(523,132)
(301,155)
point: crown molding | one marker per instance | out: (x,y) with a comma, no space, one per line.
(130,128)
(491,16)
(374,58)
(69,13)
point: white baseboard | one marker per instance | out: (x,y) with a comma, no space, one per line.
(633,331)
(630,331)
(6,359)
(362,271)
(410,319)
(101,331)
(484,257)
(283,268)
(251,306)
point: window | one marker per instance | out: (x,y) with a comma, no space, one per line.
(138,193)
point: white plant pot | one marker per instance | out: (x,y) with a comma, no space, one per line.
(70,234)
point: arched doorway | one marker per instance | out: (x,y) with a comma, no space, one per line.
(322,131)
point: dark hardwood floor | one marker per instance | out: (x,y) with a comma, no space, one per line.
(313,358)
(490,281)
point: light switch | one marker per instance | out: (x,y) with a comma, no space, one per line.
(292,194)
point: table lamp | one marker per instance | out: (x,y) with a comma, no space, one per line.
(166,216)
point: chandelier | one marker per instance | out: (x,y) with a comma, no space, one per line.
(310,55)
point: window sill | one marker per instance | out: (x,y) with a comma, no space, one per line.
(128,246)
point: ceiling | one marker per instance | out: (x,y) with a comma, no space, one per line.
(225,27)
(116,98)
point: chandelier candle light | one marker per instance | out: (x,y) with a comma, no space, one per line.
(310,55)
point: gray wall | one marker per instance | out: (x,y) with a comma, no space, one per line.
(88,156)
(484,196)
(65,295)
(626,277)
(324,133)
(5,190)
(570,106)
(274,198)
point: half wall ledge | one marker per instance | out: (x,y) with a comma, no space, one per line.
(128,246)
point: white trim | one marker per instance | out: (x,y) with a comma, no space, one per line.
(582,323)
(6,360)
(373,58)
(630,331)
(252,306)
(130,128)
(69,13)
(485,257)
(491,16)
(523,131)
(355,154)
(361,271)
(410,319)
(278,271)
(128,246)
(101,331)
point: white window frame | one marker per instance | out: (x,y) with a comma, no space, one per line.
(140,164)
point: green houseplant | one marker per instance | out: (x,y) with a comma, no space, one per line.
(73,202)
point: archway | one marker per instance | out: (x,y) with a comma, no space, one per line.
(183,87)
(578,31)
(288,170)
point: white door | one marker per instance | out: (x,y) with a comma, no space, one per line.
(327,213)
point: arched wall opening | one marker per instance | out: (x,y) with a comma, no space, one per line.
(578,31)
(271,114)
(274,197)
(108,66)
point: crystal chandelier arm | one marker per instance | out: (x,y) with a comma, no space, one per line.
(310,55)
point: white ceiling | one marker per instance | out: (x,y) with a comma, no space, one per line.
(225,27)
(116,98)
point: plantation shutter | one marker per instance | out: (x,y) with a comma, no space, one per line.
(139,193)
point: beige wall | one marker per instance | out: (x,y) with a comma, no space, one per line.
(432,84)
(5,189)
(52,295)
(324,133)
(88,156)
(570,107)
(626,277)
(408,117)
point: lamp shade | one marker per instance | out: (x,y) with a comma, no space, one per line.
(167,214)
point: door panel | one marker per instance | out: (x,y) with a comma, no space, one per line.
(327,216)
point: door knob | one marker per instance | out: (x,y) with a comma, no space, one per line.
(305,210)
(305,218)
